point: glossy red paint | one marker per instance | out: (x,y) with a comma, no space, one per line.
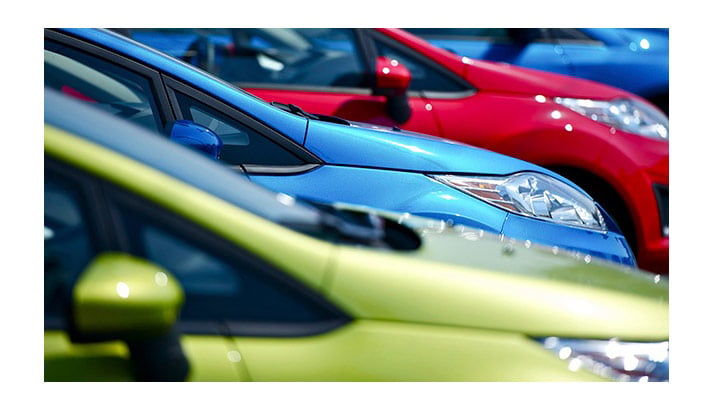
(512,110)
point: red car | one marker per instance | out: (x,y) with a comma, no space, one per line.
(609,141)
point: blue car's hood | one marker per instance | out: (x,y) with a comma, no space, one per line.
(373,146)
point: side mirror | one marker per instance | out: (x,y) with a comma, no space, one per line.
(392,81)
(197,137)
(119,296)
(392,76)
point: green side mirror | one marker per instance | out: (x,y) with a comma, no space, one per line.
(121,296)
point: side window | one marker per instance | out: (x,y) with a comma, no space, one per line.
(222,284)
(424,77)
(241,144)
(68,246)
(115,89)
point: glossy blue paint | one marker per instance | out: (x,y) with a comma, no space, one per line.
(391,190)
(375,146)
(379,167)
(633,59)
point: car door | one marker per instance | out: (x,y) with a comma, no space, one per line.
(78,229)
(229,293)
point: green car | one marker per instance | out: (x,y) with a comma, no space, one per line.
(163,265)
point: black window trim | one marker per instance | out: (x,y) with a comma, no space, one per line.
(173,86)
(152,75)
(118,197)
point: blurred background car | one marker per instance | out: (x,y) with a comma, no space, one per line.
(609,141)
(327,159)
(162,264)
(634,59)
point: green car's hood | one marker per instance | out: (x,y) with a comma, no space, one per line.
(463,277)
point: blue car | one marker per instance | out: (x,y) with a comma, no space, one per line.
(634,59)
(326,159)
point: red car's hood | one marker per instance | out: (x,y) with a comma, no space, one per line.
(506,78)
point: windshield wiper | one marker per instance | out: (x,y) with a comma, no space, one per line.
(292,108)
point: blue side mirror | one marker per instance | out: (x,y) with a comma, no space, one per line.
(196,136)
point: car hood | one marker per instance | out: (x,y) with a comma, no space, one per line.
(373,146)
(509,79)
(469,278)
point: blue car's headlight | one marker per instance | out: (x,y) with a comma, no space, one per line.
(531,194)
(624,114)
(621,361)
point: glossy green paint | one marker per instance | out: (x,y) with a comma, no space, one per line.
(121,295)
(412,290)
(213,359)
(393,351)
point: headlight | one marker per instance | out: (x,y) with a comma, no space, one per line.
(621,361)
(531,194)
(624,114)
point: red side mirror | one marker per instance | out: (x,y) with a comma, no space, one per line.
(392,75)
